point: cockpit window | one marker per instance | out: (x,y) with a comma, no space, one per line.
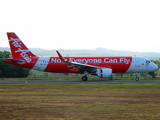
(147,61)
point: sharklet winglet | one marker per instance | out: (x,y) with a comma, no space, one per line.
(61,57)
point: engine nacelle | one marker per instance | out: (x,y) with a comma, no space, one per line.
(104,73)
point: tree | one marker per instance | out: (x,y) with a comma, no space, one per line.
(8,70)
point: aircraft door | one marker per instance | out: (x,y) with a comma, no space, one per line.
(137,62)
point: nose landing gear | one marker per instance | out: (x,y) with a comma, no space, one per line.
(137,78)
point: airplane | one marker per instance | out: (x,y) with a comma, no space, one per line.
(102,67)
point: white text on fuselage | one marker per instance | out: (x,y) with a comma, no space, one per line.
(23,53)
(85,61)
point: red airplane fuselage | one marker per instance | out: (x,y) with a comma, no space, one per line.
(99,66)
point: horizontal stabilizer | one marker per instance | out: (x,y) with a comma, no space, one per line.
(17,61)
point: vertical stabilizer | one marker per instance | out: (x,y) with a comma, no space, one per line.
(18,48)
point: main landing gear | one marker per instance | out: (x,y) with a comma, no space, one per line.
(84,78)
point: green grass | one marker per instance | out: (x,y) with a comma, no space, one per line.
(80,101)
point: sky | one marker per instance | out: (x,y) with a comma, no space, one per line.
(132,25)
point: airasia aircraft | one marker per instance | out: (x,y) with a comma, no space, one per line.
(102,67)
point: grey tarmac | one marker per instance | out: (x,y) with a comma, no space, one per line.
(80,82)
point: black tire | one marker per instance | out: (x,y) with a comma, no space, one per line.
(84,78)
(137,78)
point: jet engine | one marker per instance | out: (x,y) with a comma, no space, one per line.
(104,73)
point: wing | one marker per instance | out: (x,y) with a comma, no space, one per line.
(79,66)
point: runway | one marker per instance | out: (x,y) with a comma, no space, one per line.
(79,82)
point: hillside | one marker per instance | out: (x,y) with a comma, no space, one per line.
(95,52)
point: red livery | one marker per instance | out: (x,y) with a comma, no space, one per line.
(99,66)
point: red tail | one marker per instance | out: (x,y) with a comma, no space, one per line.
(18,48)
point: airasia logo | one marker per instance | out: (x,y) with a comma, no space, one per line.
(23,53)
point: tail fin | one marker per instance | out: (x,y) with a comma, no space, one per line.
(18,48)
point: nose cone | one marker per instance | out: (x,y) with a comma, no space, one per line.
(154,67)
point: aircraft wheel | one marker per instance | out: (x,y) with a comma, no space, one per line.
(84,78)
(137,78)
